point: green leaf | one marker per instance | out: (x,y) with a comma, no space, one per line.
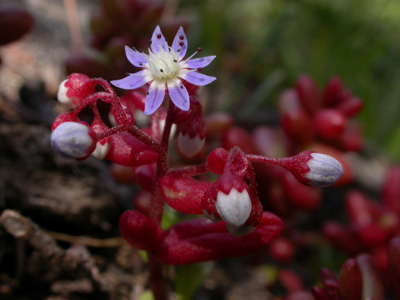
(189,278)
(143,255)
(146,295)
(170,218)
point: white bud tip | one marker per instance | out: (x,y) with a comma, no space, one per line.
(234,208)
(62,94)
(324,170)
(71,140)
(101,150)
(190,146)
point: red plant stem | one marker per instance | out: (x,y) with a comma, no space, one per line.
(106,97)
(157,203)
(120,116)
(136,132)
(156,281)
(190,170)
(267,160)
(103,83)
(109,96)
(119,113)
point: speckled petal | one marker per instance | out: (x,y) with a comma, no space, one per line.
(180,43)
(201,62)
(154,98)
(179,95)
(198,79)
(135,58)
(158,40)
(132,81)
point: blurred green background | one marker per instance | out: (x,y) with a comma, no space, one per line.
(262,46)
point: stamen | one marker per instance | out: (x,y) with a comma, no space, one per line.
(197,51)
(161,70)
(175,60)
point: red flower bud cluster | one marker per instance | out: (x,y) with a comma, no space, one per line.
(309,115)
(359,278)
(235,223)
(371,224)
(232,198)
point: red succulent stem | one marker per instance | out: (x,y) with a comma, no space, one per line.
(103,83)
(156,280)
(134,131)
(109,96)
(190,170)
(267,160)
(162,167)
(106,97)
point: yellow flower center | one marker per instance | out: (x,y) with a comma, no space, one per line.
(163,65)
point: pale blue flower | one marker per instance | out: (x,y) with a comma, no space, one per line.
(164,68)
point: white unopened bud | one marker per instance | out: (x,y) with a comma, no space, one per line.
(190,146)
(73,140)
(234,208)
(324,170)
(101,150)
(62,94)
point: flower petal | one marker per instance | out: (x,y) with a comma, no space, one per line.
(199,62)
(132,81)
(158,40)
(135,58)
(179,95)
(180,43)
(198,79)
(154,98)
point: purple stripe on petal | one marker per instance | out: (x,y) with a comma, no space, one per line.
(198,79)
(180,43)
(179,95)
(200,62)
(135,58)
(158,40)
(154,98)
(132,81)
